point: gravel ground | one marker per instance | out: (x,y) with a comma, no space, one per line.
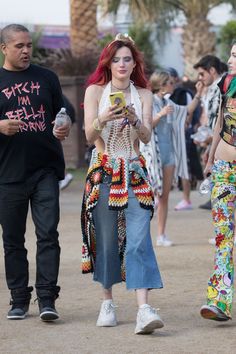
(185,268)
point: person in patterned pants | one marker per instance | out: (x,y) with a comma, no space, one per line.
(222,168)
(220,286)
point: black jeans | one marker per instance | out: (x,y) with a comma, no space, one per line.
(41,191)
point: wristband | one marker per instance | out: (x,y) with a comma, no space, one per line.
(96,125)
(137,124)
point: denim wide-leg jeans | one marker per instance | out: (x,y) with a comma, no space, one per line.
(142,271)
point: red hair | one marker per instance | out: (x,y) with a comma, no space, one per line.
(102,74)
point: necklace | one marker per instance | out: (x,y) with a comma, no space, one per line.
(120,89)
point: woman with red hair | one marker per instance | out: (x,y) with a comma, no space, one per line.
(118,198)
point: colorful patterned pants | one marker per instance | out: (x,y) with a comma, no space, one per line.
(223,197)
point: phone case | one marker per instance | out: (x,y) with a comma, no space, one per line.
(118,98)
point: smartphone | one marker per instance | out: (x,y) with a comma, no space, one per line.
(118,98)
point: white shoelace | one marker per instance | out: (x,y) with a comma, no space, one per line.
(109,307)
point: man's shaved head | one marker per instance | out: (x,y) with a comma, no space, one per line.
(7,31)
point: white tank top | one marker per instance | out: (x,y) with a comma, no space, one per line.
(119,143)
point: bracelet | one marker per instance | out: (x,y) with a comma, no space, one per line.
(198,98)
(96,125)
(137,124)
(100,123)
(134,123)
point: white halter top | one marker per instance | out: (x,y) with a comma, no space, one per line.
(120,143)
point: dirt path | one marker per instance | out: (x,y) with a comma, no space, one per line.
(185,269)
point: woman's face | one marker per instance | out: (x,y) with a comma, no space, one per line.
(122,64)
(232,61)
(169,86)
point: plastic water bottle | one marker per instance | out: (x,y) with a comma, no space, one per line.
(202,134)
(62,118)
(169,119)
(205,186)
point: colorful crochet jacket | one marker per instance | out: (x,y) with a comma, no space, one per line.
(122,172)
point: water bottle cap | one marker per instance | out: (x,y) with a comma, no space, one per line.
(63,110)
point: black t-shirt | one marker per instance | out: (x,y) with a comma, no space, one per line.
(33,96)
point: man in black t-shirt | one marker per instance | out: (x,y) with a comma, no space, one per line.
(31,164)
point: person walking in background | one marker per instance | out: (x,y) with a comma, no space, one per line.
(166,153)
(222,167)
(183,96)
(118,199)
(31,164)
(210,70)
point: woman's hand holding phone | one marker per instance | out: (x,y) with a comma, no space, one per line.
(116,110)
(131,114)
(111,113)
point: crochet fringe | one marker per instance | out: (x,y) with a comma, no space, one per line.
(121,172)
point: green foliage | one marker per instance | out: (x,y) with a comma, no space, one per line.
(35,44)
(1,59)
(226,37)
(60,60)
(105,40)
(141,35)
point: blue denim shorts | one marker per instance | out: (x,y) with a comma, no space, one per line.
(167,154)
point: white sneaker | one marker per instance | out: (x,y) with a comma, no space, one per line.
(164,241)
(147,320)
(212,241)
(211,312)
(183,205)
(107,315)
(66,181)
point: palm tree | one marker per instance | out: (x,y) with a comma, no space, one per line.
(83,27)
(197,39)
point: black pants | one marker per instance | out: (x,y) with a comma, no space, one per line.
(41,191)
